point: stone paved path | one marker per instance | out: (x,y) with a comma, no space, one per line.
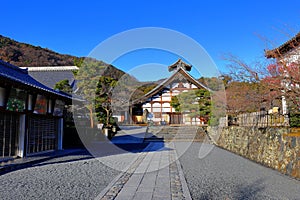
(155,174)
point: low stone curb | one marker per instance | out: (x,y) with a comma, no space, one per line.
(185,189)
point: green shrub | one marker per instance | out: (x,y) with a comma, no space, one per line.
(295,119)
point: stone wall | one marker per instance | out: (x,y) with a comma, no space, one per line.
(272,147)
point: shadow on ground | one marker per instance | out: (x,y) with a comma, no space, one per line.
(121,144)
(94,148)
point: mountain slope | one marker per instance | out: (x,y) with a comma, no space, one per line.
(24,55)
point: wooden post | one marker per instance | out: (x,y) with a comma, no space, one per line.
(2,96)
(22,132)
(161,104)
(60,134)
(171,98)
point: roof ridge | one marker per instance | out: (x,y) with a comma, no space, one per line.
(180,63)
(51,68)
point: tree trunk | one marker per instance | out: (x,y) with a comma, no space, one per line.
(91,118)
(107,117)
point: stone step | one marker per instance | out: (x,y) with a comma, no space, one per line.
(167,133)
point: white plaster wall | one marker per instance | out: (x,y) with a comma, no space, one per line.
(156,105)
(194,86)
(156,109)
(292,56)
(168,98)
(156,99)
(187,85)
(166,110)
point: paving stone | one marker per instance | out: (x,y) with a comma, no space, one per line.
(162,191)
(127,191)
(143,196)
(149,179)
(134,180)
(145,189)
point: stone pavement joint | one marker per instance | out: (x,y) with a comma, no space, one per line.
(155,174)
(118,185)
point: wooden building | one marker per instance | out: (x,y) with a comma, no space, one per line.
(157,101)
(286,54)
(31,114)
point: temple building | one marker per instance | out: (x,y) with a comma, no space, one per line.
(157,102)
(288,52)
(31,114)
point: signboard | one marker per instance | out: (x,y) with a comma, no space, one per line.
(58,108)
(16,100)
(40,105)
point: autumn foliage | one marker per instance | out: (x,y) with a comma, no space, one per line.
(285,80)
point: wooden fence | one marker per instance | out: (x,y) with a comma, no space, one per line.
(256,119)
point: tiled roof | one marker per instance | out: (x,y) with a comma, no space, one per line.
(50,75)
(161,86)
(284,48)
(180,63)
(18,76)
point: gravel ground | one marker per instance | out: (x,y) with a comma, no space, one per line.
(70,177)
(220,175)
(224,175)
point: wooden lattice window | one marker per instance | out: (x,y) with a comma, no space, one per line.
(42,134)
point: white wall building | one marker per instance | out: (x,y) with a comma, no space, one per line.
(286,54)
(157,101)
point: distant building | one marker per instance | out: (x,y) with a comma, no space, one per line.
(50,75)
(31,114)
(158,101)
(286,54)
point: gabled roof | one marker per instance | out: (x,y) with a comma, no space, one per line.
(284,48)
(18,77)
(180,64)
(166,82)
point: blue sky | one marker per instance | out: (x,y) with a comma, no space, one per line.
(221,27)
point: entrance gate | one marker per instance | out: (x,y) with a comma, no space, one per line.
(176,118)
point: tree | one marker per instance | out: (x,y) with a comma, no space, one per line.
(103,98)
(175,103)
(194,102)
(88,77)
(284,80)
(284,75)
(246,97)
(64,86)
(246,92)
